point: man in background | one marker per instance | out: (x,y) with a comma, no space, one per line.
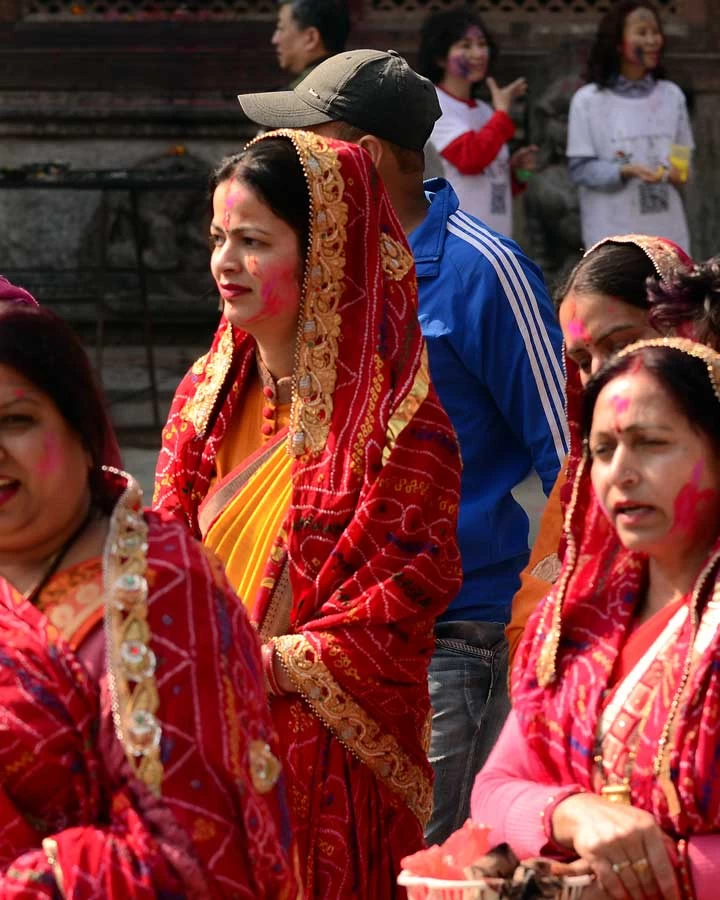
(307,32)
(494,349)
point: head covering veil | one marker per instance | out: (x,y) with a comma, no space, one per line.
(572,644)
(369,535)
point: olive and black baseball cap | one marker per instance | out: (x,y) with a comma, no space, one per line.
(370,89)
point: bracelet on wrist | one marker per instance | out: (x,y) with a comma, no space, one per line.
(272,685)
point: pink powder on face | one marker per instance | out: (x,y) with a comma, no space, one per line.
(690,500)
(459,66)
(577,330)
(280,291)
(51,459)
(230,201)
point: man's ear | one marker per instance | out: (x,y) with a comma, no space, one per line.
(374,146)
(312,40)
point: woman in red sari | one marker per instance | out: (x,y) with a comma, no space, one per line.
(309,450)
(605,304)
(611,752)
(137,754)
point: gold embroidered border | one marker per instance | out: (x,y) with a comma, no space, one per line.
(315,369)
(396,261)
(352,726)
(131,663)
(409,405)
(215,366)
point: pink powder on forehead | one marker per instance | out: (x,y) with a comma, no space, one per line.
(576,329)
(232,199)
(620,403)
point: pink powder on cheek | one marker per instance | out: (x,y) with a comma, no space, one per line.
(280,292)
(51,458)
(459,66)
(690,500)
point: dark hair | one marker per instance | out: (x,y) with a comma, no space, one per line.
(440,31)
(618,270)
(271,168)
(690,297)
(43,349)
(604,60)
(409,162)
(330,17)
(684,377)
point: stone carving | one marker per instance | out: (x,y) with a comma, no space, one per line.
(551,202)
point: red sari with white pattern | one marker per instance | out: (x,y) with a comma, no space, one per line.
(631,712)
(136,748)
(366,557)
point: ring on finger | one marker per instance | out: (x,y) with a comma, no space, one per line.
(641,865)
(618,867)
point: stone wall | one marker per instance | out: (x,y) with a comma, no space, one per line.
(123,94)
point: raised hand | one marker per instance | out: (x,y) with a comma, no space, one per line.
(502,98)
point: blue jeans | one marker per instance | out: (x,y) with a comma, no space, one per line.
(469,696)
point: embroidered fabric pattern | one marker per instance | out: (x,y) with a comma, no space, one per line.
(573,643)
(210,371)
(352,725)
(367,547)
(131,662)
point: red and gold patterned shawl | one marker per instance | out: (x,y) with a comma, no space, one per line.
(570,648)
(369,538)
(201,821)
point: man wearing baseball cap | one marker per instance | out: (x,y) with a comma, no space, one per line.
(494,348)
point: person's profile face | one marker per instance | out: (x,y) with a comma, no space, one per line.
(595,326)
(291,43)
(256,262)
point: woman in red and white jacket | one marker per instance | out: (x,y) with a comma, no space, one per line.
(471,136)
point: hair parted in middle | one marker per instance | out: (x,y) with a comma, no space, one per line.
(272,170)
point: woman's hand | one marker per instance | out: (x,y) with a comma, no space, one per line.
(644,173)
(626,849)
(281,677)
(525,158)
(502,98)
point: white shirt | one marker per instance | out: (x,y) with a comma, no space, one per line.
(622,129)
(487,195)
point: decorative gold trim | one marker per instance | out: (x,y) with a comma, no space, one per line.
(548,568)
(50,849)
(666,260)
(130,661)
(545,666)
(265,767)
(690,348)
(316,351)
(276,620)
(215,366)
(352,726)
(408,406)
(395,259)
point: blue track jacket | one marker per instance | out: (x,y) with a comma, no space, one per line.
(495,349)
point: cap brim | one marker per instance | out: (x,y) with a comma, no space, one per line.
(280,109)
